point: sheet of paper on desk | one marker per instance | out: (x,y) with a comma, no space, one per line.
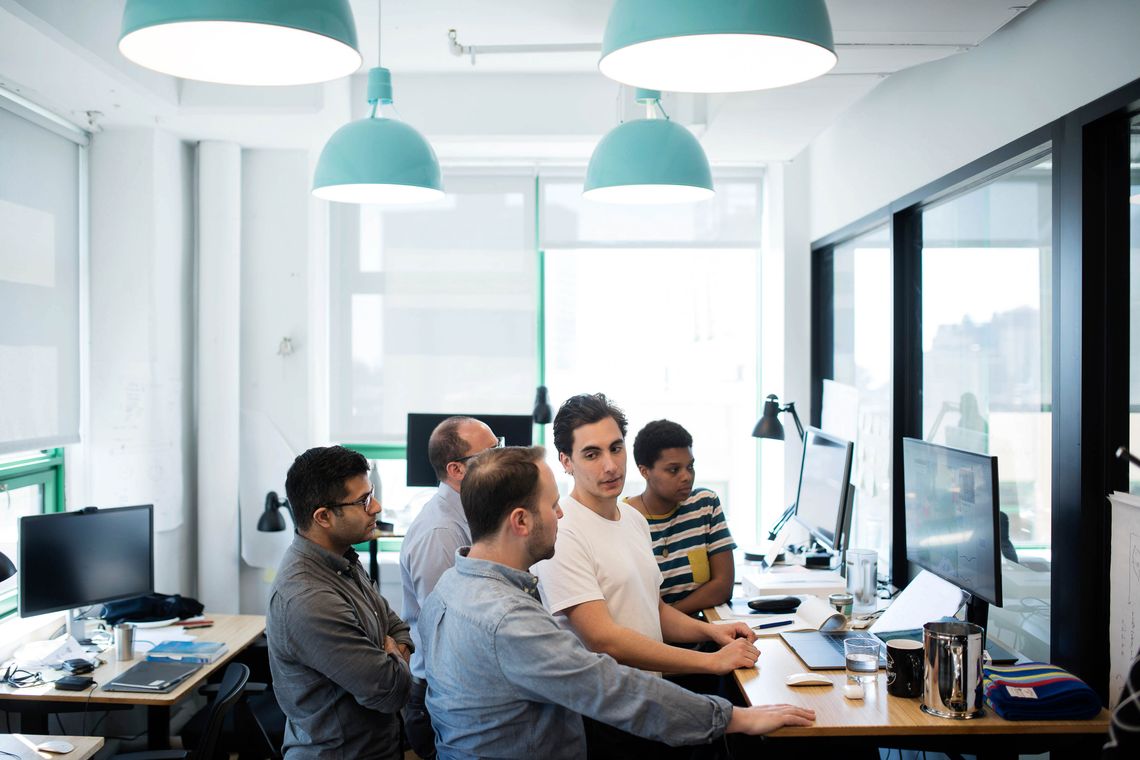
(926,598)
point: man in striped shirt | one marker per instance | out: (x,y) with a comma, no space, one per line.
(691,541)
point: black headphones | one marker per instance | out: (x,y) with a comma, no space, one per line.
(18,677)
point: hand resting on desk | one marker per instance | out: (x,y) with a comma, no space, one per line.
(764,719)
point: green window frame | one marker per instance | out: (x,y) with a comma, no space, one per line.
(45,469)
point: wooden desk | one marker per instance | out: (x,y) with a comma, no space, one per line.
(893,721)
(36,702)
(18,744)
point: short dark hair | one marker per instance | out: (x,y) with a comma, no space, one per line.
(498,481)
(583,409)
(317,478)
(445,444)
(657,436)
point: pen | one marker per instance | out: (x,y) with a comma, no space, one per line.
(776,624)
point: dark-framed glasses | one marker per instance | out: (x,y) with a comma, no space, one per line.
(363,502)
(500,442)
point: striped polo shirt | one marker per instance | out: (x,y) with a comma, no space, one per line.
(683,541)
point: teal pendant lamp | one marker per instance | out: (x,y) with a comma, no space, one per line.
(246,42)
(717,45)
(378,159)
(647,161)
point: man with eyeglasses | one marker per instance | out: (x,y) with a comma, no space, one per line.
(429,549)
(338,653)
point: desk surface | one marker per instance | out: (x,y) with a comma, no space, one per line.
(237,631)
(878,713)
(18,744)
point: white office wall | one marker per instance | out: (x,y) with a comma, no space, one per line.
(275,305)
(139,448)
(924,122)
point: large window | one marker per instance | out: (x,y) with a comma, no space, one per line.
(986,381)
(857,405)
(657,307)
(437,309)
(665,334)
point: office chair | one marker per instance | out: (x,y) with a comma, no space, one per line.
(255,728)
(230,689)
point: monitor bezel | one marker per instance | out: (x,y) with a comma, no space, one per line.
(86,513)
(414,470)
(838,542)
(995,498)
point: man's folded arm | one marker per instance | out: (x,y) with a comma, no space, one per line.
(326,638)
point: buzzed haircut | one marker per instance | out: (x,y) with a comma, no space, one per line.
(497,482)
(445,445)
(317,479)
(657,436)
(583,409)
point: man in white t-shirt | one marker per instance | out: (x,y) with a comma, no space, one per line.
(603,582)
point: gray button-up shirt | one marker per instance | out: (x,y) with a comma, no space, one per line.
(340,691)
(427,551)
(505,681)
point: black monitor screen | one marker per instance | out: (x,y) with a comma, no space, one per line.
(821,501)
(76,559)
(517,429)
(952,516)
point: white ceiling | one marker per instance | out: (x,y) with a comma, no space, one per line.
(62,54)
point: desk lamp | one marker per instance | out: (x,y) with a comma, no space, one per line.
(7,569)
(542,413)
(770,427)
(271,520)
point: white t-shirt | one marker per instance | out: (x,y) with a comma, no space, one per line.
(612,560)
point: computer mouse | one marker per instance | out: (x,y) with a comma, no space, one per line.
(775,604)
(807,679)
(853,690)
(55,746)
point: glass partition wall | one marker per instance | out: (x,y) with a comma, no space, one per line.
(986,305)
(863,313)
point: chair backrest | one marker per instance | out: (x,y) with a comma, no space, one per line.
(229,691)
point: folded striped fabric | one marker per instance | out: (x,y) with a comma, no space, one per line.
(1038,691)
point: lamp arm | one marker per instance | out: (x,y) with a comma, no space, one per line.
(788,513)
(791,407)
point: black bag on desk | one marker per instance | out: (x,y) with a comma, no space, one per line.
(149,607)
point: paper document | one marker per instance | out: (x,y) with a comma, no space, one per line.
(926,598)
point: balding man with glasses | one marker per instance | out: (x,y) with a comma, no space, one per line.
(429,549)
(338,652)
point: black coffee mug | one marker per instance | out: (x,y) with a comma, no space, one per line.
(904,668)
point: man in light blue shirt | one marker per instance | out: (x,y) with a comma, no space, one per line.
(429,548)
(504,680)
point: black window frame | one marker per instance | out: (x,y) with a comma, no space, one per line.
(1090,341)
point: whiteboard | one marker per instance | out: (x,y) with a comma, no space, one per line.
(1124,591)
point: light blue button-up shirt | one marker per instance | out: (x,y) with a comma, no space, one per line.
(505,681)
(428,549)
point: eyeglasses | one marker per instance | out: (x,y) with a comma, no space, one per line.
(363,502)
(500,442)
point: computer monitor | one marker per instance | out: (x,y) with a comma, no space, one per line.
(517,429)
(823,494)
(77,559)
(951,506)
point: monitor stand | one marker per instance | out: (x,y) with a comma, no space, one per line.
(76,626)
(978,612)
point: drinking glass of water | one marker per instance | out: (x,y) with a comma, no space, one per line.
(862,658)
